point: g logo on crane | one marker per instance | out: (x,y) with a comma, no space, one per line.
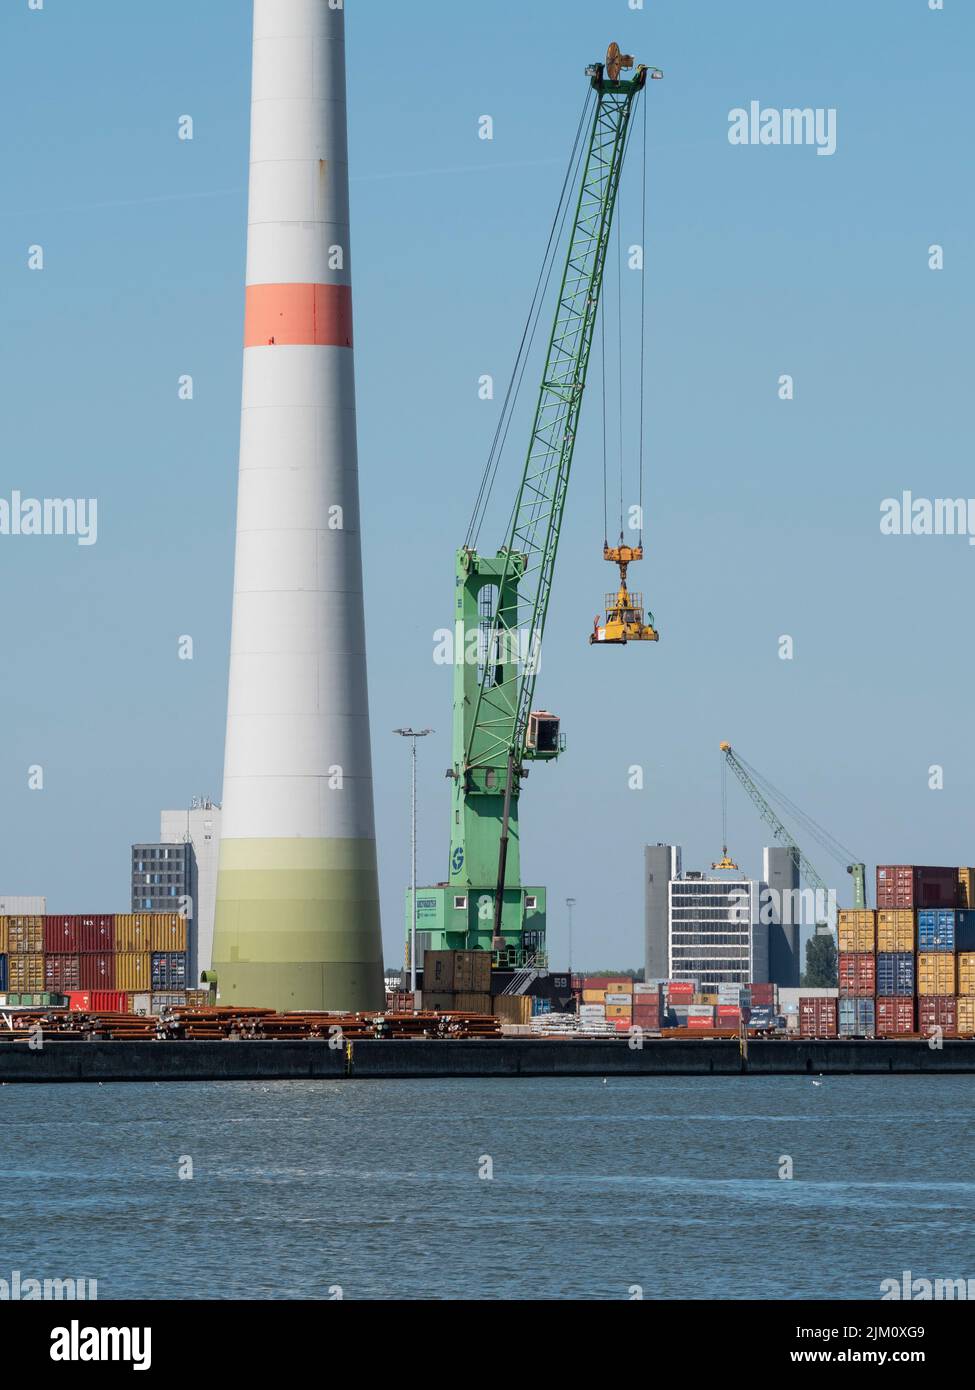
(457,859)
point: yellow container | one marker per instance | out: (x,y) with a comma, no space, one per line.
(856,929)
(3,935)
(593,996)
(966,1015)
(132,970)
(167,932)
(966,973)
(966,887)
(513,1008)
(936,972)
(133,932)
(895,929)
(25,973)
(25,936)
(619,1011)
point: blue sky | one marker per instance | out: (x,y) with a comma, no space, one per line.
(762,515)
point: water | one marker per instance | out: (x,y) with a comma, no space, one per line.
(671,1184)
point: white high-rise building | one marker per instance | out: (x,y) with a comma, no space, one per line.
(715,933)
(198,826)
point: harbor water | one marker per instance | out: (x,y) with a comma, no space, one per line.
(491,1189)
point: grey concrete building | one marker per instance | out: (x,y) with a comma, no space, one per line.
(661,863)
(781,873)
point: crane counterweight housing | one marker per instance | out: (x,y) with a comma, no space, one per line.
(502,599)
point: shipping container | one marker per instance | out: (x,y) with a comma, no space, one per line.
(937,1011)
(728,1014)
(170,999)
(97,971)
(618,997)
(966,1015)
(140,1003)
(653,989)
(700,1011)
(856,1017)
(857,974)
(513,1008)
(446,1001)
(62,973)
(680,988)
(895,929)
(966,887)
(618,1011)
(98,1001)
(25,936)
(856,929)
(622,1025)
(37,999)
(168,933)
(895,972)
(96,934)
(965,983)
(25,972)
(456,972)
(592,1011)
(133,931)
(699,1021)
(895,1014)
(3,972)
(761,992)
(606,982)
(935,973)
(964,929)
(936,929)
(3,936)
(916,885)
(61,935)
(167,971)
(818,1017)
(593,996)
(132,971)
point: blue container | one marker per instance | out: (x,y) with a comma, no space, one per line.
(895,972)
(168,970)
(965,929)
(856,1018)
(936,928)
(3,974)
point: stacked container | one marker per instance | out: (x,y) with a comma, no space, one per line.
(648,1007)
(25,954)
(818,1017)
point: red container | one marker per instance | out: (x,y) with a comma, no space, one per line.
(895,1014)
(937,1011)
(857,973)
(623,1025)
(99,1001)
(61,936)
(729,1012)
(97,971)
(97,933)
(817,1016)
(917,885)
(762,993)
(695,1022)
(680,989)
(62,973)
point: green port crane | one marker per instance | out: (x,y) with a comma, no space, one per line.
(753,782)
(502,600)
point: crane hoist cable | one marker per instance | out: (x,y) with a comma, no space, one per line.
(724,862)
(528,333)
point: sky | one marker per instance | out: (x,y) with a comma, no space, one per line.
(762,514)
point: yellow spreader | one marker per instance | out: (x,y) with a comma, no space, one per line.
(624,609)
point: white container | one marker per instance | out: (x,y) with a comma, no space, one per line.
(619,998)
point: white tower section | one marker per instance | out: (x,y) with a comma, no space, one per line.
(297,917)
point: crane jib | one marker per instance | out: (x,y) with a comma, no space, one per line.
(498,729)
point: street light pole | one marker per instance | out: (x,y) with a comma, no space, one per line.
(413,735)
(570,904)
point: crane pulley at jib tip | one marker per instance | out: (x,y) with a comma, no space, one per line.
(624,619)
